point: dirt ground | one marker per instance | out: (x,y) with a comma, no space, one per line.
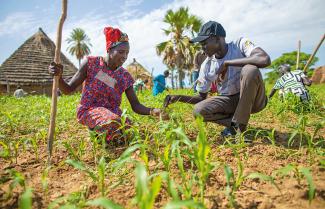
(259,156)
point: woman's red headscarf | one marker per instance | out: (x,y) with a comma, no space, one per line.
(114,37)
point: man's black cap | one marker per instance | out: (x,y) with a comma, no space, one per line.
(208,29)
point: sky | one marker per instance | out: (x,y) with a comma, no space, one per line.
(274,25)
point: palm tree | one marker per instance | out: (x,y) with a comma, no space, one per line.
(79,44)
(178,52)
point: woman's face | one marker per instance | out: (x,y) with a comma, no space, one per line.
(119,54)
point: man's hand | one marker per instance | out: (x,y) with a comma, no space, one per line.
(222,72)
(164,115)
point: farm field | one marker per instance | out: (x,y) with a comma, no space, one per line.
(176,163)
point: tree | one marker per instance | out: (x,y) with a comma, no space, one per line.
(79,44)
(289,58)
(178,52)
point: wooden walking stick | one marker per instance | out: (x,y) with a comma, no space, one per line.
(315,51)
(298,54)
(56,81)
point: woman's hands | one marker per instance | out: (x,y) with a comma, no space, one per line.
(159,113)
(56,69)
(155,112)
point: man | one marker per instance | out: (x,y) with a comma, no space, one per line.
(19,92)
(159,83)
(138,85)
(199,57)
(235,66)
(293,82)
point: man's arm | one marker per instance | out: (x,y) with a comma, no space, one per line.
(307,81)
(195,62)
(272,93)
(258,57)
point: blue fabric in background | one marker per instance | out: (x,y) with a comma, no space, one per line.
(159,84)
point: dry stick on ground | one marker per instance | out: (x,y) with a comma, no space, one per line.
(315,51)
(298,54)
(56,81)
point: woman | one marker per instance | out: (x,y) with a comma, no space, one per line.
(105,81)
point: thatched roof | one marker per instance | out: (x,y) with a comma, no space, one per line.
(319,75)
(138,71)
(28,65)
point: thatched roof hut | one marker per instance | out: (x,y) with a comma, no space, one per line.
(138,71)
(319,75)
(28,66)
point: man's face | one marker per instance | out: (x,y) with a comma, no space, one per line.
(211,45)
(284,69)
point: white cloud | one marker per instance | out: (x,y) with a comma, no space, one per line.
(18,23)
(273,24)
(145,33)
(93,25)
(132,3)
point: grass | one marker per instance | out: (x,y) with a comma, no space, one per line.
(179,163)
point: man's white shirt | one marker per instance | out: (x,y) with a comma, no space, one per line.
(210,68)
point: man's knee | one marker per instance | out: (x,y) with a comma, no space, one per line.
(199,109)
(250,72)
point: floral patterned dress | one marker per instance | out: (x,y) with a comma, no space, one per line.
(99,107)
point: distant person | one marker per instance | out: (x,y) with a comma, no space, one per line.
(292,82)
(19,92)
(105,81)
(199,58)
(147,84)
(235,66)
(140,85)
(159,83)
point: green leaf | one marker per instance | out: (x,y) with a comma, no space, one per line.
(154,191)
(80,166)
(285,170)
(173,189)
(68,206)
(179,131)
(322,163)
(290,140)
(259,176)
(141,181)
(229,173)
(105,203)
(126,156)
(101,174)
(76,164)
(183,203)
(311,191)
(263,177)
(25,201)
(71,150)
